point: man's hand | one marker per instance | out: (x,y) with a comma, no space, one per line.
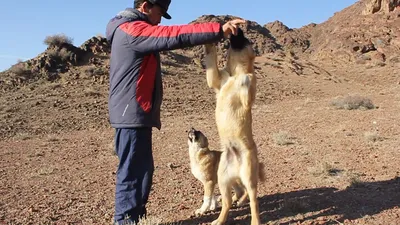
(230,27)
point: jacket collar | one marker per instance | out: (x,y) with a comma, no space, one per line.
(133,14)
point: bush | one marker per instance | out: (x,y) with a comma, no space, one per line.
(57,40)
(20,69)
(353,102)
(63,54)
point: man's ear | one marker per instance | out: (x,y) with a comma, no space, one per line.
(147,6)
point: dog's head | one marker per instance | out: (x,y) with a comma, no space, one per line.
(197,138)
(239,41)
(241,54)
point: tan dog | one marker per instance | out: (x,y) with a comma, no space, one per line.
(204,166)
(235,88)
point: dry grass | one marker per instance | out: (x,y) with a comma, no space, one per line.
(294,205)
(90,91)
(325,169)
(150,221)
(94,71)
(282,138)
(57,40)
(63,54)
(52,138)
(372,136)
(23,136)
(355,179)
(351,102)
(44,171)
(20,69)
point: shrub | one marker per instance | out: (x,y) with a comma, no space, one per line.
(63,54)
(57,40)
(353,102)
(20,69)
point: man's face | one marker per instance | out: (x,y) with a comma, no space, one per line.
(155,14)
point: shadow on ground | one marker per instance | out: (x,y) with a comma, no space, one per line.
(356,201)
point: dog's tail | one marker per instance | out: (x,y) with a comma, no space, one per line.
(261,172)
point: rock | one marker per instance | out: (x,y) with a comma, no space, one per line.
(384,6)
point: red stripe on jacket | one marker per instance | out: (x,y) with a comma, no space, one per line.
(143,29)
(145,83)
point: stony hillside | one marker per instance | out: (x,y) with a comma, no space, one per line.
(359,34)
(362,34)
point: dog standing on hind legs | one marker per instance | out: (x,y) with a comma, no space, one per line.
(235,88)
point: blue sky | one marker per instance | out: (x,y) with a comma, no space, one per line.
(26,23)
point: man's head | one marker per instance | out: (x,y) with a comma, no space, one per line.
(154,9)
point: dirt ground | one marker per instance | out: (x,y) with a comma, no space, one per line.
(323,165)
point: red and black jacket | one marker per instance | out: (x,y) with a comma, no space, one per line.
(135,93)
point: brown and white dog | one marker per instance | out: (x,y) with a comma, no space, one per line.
(235,88)
(204,167)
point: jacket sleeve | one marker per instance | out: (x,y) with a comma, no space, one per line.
(145,38)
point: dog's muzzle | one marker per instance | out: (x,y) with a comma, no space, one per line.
(192,134)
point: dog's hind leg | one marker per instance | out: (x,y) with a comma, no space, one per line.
(225,185)
(249,178)
(208,199)
(226,195)
(240,196)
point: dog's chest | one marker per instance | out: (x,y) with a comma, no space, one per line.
(196,168)
(197,171)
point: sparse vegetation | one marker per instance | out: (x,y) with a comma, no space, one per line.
(52,138)
(351,102)
(355,180)
(92,92)
(20,69)
(294,205)
(325,169)
(45,171)
(61,54)
(57,40)
(372,136)
(150,221)
(282,138)
(95,71)
(23,137)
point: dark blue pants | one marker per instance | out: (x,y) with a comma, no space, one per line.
(134,174)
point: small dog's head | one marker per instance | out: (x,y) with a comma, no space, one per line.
(196,137)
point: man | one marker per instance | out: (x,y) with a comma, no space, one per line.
(135,93)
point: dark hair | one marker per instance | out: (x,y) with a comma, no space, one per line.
(138,3)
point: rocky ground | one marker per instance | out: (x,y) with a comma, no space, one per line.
(328,161)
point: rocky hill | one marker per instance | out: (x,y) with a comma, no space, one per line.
(364,35)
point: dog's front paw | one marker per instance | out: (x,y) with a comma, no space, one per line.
(213,206)
(241,202)
(216,222)
(199,212)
